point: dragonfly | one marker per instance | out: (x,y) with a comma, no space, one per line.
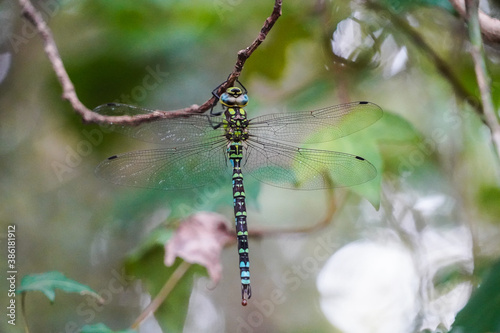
(202,149)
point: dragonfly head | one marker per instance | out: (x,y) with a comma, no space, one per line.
(234,96)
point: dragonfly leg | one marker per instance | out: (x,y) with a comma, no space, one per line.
(214,125)
(214,92)
(218,113)
(245,91)
(212,113)
(217,97)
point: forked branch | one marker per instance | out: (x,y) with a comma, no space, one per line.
(88,116)
(483,79)
(490,27)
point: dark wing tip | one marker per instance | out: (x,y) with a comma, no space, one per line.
(357,157)
(106,107)
(102,106)
(375,109)
(112,157)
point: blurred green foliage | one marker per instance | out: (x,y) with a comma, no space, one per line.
(47,283)
(170,54)
(147,265)
(481,312)
(101,328)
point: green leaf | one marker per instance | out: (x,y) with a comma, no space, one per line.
(398,142)
(101,328)
(488,199)
(199,239)
(394,129)
(482,312)
(157,237)
(368,143)
(402,5)
(271,58)
(147,264)
(48,282)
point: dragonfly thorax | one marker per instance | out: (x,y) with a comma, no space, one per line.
(234,96)
(235,124)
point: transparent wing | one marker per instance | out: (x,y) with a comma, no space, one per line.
(169,132)
(339,120)
(168,168)
(291,167)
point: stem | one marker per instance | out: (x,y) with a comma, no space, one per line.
(490,27)
(332,205)
(441,65)
(23,312)
(88,116)
(483,79)
(163,294)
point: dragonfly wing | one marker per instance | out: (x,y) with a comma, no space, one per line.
(338,121)
(291,167)
(169,132)
(168,168)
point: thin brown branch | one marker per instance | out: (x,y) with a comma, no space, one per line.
(244,54)
(32,15)
(163,294)
(332,206)
(490,27)
(23,311)
(88,116)
(483,79)
(441,65)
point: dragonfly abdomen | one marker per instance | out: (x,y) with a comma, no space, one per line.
(240,216)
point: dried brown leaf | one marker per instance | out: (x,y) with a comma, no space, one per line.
(199,240)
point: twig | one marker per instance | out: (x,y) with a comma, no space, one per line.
(243,55)
(441,65)
(483,80)
(23,311)
(162,295)
(490,27)
(332,205)
(88,116)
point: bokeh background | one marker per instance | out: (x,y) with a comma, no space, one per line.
(402,253)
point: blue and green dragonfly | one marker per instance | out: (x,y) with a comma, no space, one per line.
(201,149)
